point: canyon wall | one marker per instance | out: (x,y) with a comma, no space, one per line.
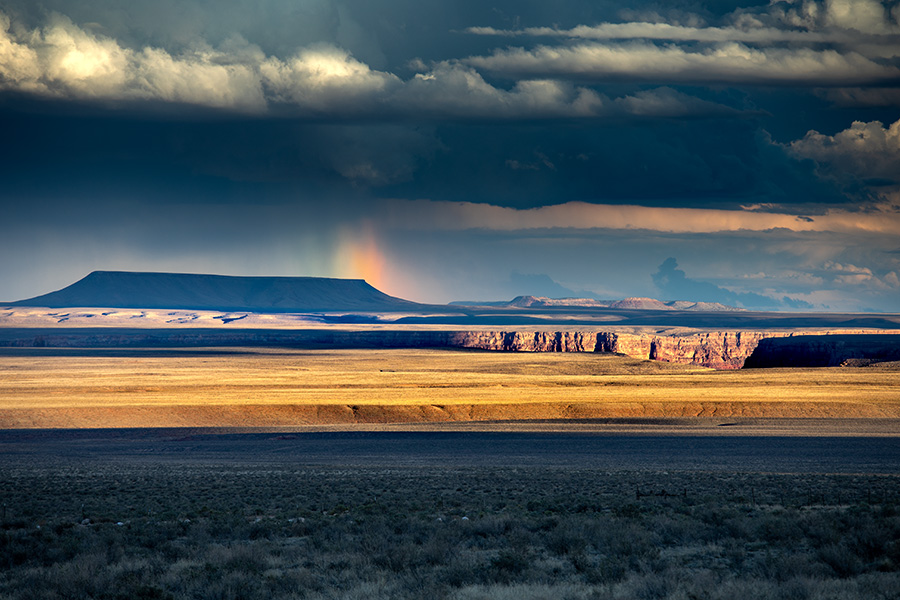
(718,349)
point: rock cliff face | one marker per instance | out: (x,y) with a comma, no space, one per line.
(718,350)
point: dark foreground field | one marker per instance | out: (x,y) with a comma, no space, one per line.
(462,515)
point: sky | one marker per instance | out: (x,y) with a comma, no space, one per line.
(738,152)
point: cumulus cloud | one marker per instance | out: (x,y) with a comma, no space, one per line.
(864,150)
(837,42)
(808,21)
(846,274)
(799,21)
(63,60)
(849,273)
(457,90)
(862,16)
(727,62)
(325,79)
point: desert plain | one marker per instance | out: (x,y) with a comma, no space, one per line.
(352,388)
(170,454)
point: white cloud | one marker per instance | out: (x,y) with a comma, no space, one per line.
(643,30)
(866,150)
(454,89)
(841,21)
(159,76)
(837,42)
(64,61)
(868,17)
(727,63)
(19,63)
(852,269)
(849,274)
(865,16)
(325,79)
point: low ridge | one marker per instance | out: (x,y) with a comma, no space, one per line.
(125,289)
(627,303)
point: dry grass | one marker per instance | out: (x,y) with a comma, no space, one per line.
(258,387)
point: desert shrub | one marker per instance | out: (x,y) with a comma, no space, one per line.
(842,562)
(508,565)
(294,532)
(530,591)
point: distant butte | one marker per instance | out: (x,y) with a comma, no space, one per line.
(627,303)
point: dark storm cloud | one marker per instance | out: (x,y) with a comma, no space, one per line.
(362,124)
(660,145)
(675,284)
(664,163)
(531,164)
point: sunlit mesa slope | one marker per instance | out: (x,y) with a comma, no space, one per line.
(122,289)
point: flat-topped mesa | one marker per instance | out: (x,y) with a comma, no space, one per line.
(123,289)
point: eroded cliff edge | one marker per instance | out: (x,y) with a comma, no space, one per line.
(716,349)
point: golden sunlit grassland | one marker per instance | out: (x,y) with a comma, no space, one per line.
(287,388)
